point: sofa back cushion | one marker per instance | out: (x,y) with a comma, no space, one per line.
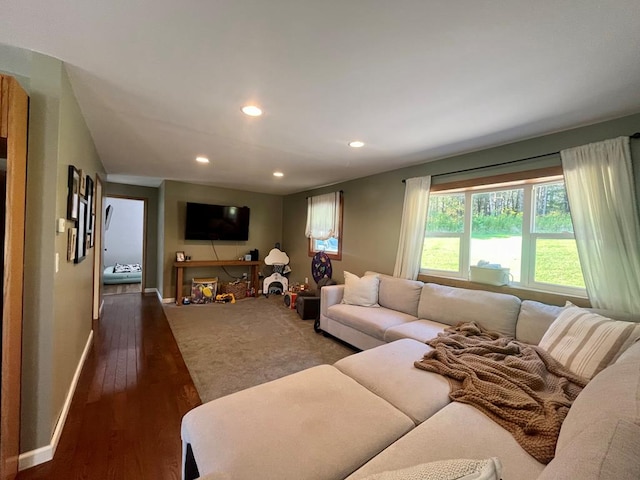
(586,342)
(399,293)
(451,305)
(534,320)
(612,394)
(606,450)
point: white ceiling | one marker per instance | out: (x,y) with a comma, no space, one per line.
(162,81)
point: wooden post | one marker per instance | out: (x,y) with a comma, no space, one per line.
(14,105)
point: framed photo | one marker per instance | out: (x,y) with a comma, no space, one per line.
(73,198)
(83,183)
(92,236)
(72,235)
(179,256)
(81,242)
(90,216)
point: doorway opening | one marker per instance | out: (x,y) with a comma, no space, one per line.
(123,245)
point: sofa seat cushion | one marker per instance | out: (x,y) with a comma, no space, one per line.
(451,305)
(314,424)
(456,431)
(606,450)
(370,320)
(388,371)
(421,330)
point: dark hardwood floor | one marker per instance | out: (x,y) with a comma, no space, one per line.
(124,422)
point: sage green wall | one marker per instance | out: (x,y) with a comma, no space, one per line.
(57,306)
(160,257)
(265,229)
(37,412)
(373,205)
(73,285)
(149,194)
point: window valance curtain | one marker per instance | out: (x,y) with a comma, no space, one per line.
(412,228)
(599,182)
(323,216)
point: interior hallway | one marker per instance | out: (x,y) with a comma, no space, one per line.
(124,421)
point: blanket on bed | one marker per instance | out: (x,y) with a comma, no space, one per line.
(519,386)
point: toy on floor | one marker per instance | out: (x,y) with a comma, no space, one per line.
(225,298)
(276,283)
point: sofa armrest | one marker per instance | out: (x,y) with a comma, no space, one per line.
(330,295)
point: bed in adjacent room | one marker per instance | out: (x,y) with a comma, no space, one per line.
(122,273)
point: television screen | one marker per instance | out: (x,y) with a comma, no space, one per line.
(216,222)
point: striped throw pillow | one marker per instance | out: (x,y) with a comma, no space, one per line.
(586,342)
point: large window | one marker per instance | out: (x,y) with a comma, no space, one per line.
(521,225)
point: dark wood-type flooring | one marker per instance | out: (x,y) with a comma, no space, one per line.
(124,422)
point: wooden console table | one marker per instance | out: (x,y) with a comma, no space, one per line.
(180,266)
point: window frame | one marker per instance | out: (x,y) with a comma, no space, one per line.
(526,180)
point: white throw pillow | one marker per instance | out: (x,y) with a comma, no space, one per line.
(361,291)
(586,342)
(457,469)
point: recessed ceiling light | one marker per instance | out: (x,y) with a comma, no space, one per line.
(356,144)
(251,110)
(202,159)
(278,174)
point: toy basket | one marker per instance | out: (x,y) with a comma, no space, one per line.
(204,290)
(239,290)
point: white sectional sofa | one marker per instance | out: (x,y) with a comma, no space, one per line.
(412,309)
(374,412)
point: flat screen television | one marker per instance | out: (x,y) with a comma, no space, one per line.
(216,222)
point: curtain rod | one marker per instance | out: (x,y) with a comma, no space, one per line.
(635,136)
(341,191)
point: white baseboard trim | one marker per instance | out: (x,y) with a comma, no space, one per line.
(151,290)
(44,454)
(167,300)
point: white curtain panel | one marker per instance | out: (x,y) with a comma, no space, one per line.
(412,229)
(599,181)
(323,216)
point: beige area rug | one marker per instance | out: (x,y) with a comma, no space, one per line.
(228,347)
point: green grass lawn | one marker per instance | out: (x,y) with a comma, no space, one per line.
(441,254)
(556,260)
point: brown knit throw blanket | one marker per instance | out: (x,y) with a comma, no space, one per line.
(519,386)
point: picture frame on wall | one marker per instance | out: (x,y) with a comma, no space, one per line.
(83,183)
(73,197)
(93,222)
(89,215)
(81,243)
(72,235)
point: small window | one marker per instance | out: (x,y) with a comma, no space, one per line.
(329,246)
(324,224)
